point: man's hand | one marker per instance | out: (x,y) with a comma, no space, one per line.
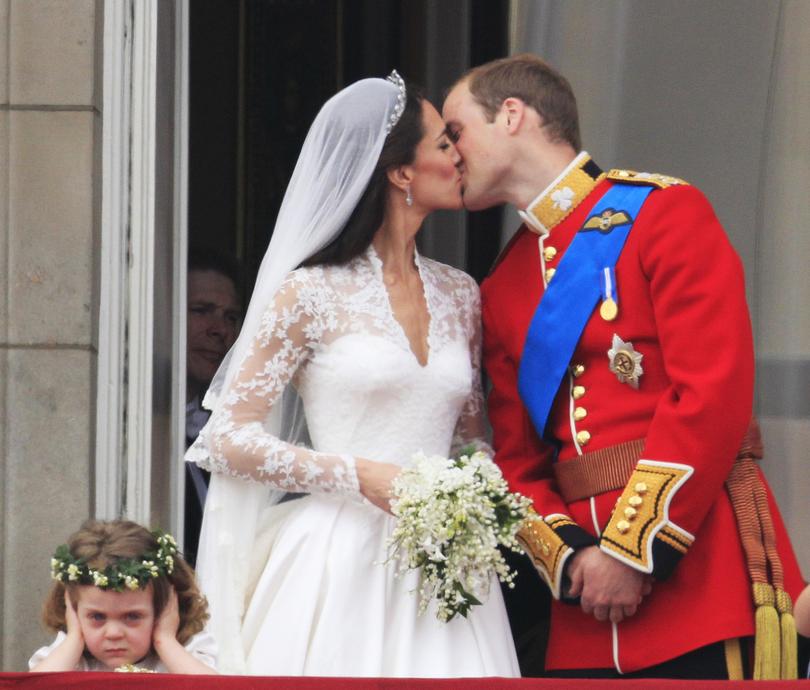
(607,588)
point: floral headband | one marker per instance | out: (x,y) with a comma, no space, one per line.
(125,573)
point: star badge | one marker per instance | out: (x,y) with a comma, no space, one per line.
(625,362)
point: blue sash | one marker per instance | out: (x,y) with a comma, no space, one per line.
(569,301)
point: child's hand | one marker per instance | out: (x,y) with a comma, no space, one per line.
(67,654)
(74,630)
(167,625)
(176,658)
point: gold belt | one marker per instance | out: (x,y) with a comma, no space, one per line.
(597,471)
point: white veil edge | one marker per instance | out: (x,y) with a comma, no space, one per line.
(333,170)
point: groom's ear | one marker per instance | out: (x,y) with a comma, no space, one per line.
(400,176)
(513,113)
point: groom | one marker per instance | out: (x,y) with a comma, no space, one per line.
(619,346)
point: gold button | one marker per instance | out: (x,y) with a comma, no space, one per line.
(641,488)
(583,437)
(623,526)
(580,413)
(578,370)
(549,253)
(578,392)
(630,513)
(635,501)
(550,274)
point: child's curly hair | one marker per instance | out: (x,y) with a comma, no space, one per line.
(103,543)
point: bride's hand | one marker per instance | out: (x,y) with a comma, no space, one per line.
(375,481)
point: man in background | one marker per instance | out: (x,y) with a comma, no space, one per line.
(214,316)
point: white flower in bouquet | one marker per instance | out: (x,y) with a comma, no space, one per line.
(453,514)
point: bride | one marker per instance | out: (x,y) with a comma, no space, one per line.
(356,353)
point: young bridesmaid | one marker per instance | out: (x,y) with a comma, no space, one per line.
(124,600)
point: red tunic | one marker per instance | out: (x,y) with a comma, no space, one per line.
(681,299)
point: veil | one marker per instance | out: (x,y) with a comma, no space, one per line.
(334,167)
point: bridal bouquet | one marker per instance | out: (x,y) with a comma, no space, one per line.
(452,516)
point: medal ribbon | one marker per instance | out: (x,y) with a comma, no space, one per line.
(608,291)
(610,300)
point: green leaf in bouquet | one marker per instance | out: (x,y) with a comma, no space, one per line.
(467,451)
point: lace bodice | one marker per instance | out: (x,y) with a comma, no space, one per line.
(331,333)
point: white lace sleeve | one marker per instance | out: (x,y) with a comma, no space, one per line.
(236,441)
(471,429)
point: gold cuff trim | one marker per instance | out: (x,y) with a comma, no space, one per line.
(547,551)
(642,513)
(674,539)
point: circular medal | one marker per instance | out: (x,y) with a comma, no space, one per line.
(608,310)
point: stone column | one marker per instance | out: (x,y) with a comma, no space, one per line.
(50,52)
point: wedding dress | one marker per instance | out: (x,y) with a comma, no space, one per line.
(319,599)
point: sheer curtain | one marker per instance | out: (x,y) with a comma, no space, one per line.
(781,277)
(715,93)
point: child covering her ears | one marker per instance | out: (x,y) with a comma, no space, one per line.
(123,599)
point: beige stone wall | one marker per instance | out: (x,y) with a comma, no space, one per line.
(49,123)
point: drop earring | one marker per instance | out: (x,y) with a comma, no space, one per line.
(408,197)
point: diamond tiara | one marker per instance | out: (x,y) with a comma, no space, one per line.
(402,96)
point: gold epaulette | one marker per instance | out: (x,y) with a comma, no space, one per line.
(633,177)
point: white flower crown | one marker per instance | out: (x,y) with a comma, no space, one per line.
(125,573)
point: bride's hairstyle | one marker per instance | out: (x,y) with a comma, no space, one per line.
(100,544)
(399,149)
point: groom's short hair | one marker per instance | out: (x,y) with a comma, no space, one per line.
(537,84)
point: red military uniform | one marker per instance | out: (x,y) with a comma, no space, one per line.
(686,398)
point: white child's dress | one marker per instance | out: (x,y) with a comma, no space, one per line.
(318,600)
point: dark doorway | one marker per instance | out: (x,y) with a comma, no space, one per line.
(261,69)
